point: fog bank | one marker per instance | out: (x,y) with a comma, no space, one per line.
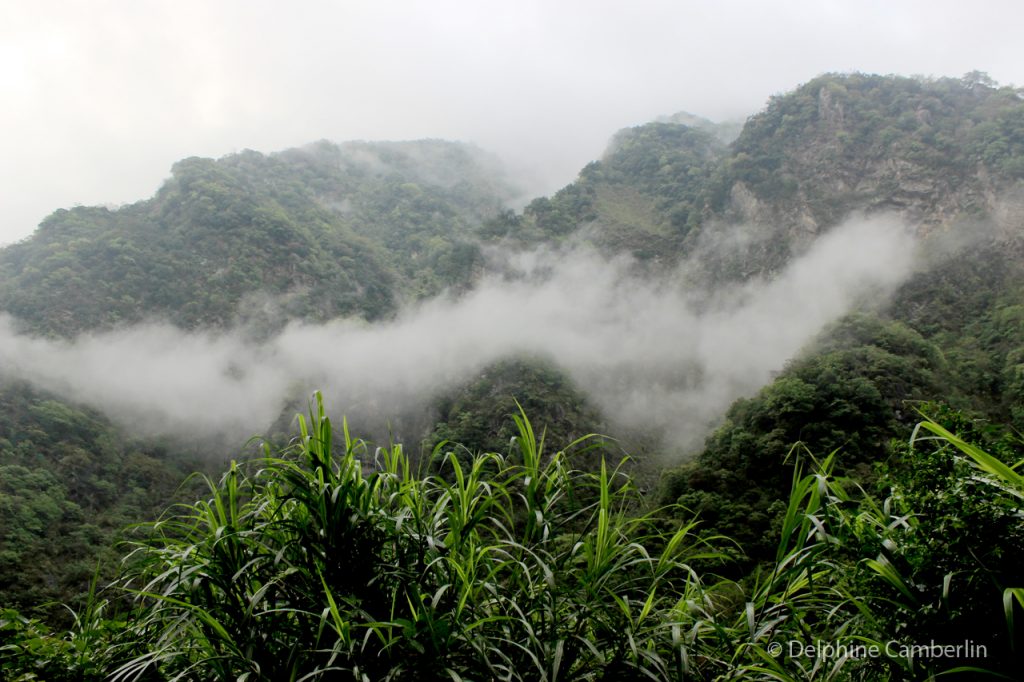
(650,354)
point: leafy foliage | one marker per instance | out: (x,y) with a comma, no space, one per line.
(963,547)
(479,415)
(643,197)
(69,482)
(331,560)
(325,232)
(29,650)
(848,397)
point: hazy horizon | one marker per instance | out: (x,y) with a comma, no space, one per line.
(103,97)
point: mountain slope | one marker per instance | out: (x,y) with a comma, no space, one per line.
(934,152)
(324,232)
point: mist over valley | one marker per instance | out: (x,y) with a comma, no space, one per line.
(759,316)
(658,356)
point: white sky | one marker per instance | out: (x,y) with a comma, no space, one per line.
(100,97)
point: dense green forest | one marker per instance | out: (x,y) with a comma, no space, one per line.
(869,496)
(332,231)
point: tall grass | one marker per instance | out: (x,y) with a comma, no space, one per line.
(334,560)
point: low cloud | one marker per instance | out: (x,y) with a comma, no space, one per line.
(651,354)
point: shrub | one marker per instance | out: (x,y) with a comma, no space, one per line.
(326,561)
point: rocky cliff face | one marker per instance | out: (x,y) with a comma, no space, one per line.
(936,153)
(933,152)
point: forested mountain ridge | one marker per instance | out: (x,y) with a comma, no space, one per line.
(326,231)
(359,229)
(934,152)
(404,219)
(929,149)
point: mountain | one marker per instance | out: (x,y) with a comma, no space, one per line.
(326,230)
(362,230)
(935,152)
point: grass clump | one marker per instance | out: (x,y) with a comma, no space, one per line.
(334,560)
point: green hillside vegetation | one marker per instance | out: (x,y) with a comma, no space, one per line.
(858,391)
(422,202)
(69,484)
(934,151)
(642,198)
(191,255)
(815,144)
(328,231)
(954,335)
(480,413)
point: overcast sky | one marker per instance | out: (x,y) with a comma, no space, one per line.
(101,97)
